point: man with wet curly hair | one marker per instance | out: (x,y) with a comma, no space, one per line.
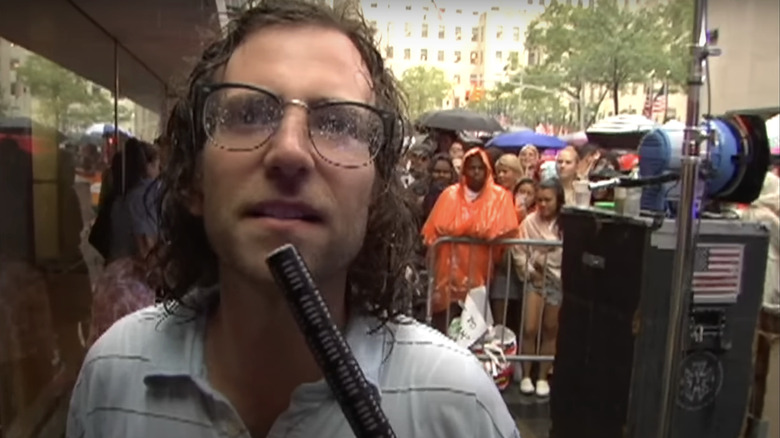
(289,133)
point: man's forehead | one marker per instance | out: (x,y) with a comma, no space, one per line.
(324,63)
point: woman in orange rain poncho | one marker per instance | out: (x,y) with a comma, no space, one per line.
(475,207)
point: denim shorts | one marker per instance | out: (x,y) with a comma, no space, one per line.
(552,294)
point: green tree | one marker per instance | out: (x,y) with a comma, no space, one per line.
(66,101)
(605,47)
(673,20)
(424,88)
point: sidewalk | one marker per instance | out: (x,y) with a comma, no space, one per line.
(531,413)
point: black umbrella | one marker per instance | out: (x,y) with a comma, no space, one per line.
(459,119)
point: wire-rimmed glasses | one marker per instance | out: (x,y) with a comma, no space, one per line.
(242,117)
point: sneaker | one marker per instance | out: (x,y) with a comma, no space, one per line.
(527,386)
(542,388)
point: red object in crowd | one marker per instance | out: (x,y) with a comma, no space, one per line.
(628,162)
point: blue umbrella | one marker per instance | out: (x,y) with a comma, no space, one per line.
(522,138)
(104,129)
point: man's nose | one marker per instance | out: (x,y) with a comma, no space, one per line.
(289,154)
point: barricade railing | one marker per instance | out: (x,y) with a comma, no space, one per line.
(505,265)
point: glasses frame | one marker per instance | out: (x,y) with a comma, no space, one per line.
(389,119)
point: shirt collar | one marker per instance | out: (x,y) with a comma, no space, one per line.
(182,355)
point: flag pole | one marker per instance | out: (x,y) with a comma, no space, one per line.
(666,96)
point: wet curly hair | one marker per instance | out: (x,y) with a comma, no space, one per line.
(379,280)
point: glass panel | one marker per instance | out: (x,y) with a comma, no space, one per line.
(142,97)
(56,97)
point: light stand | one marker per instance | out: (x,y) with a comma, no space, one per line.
(683,258)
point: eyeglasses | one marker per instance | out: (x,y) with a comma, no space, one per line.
(241,117)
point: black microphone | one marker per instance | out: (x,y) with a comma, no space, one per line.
(357,398)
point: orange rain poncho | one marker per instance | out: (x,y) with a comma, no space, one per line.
(461,267)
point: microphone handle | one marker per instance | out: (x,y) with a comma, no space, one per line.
(357,398)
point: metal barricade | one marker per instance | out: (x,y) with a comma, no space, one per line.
(505,265)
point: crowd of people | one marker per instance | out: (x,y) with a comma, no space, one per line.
(466,190)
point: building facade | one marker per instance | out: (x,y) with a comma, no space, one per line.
(477,45)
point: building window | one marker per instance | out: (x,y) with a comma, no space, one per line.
(424,55)
(541,2)
(515,33)
(473,79)
(407,54)
(457,56)
(500,32)
(475,13)
(408,7)
(424,32)
(457,33)
(456,79)
(499,55)
(441,31)
(407,29)
(474,34)
(440,56)
(389,52)
(458,11)
(425,8)
(373,5)
(474,58)
(513,60)
(494,8)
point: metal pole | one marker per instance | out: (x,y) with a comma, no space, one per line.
(581,106)
(683,256)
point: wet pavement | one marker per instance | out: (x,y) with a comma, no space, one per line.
(531,413)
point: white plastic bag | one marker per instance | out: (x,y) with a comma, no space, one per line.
(474,321)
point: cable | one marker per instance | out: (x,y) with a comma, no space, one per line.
(358,400)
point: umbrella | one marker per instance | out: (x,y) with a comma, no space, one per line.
(578,138)
(104,129)
(459,119)
(624,131)
(522,138)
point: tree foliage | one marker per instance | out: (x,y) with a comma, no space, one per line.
(65,100)
(424,88)
(585,54)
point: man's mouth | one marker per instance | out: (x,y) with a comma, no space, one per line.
(285,210)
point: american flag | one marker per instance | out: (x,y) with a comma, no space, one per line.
(659,103)
(717,272)
(655,103)
(438,10)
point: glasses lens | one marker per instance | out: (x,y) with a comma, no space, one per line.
(346,134)
(241,119)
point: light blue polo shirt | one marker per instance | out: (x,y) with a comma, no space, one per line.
(146,377)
